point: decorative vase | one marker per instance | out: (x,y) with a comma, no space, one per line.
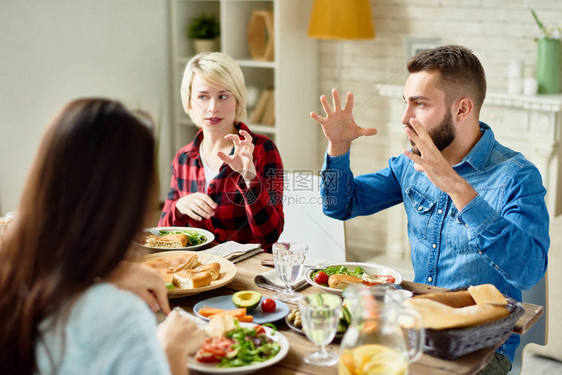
(548,66)
(205,45)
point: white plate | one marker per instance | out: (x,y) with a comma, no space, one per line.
(211,368)
(208,235)
(371,268)
(228,271)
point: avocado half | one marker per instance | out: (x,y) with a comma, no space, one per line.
(246,298)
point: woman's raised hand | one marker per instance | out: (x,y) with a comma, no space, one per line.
(338,126)
(197,206)
(243,160)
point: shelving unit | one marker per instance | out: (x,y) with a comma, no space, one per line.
(292,74)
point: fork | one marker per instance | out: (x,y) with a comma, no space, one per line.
(201,323)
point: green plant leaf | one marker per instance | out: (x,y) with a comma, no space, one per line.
(539,23)
(204,27)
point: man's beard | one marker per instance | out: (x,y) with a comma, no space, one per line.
(442,136)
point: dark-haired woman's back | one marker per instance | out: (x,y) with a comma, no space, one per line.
(101,336)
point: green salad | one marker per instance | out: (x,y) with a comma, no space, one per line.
(251,346)
(194,237)
(342,270)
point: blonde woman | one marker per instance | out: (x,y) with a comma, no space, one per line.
(228,180)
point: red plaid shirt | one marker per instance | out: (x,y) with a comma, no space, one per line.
(246,215)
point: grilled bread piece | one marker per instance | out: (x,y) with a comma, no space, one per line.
(188,279)
(170,241)
(487,294)
(213,268)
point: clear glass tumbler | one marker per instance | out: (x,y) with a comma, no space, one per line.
(320,315)
(288,258)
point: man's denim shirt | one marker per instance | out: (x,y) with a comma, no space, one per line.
(499,237)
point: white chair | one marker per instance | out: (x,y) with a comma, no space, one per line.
(305,222)
(547,293)
(537,295)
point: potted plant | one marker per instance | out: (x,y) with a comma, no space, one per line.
(204,31)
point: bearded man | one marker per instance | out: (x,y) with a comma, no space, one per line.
(476,210)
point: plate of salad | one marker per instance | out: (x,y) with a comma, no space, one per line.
(366,273)
(196,238)
(246,348)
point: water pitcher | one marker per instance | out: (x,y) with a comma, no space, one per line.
(384,336)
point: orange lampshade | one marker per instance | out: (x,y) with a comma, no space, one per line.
(341,19)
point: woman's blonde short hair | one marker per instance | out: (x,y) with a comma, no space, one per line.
(219,70)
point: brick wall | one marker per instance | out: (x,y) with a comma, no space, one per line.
(496,30)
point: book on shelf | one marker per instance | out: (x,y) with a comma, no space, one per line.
(262,109)
(269,113)
(259,110)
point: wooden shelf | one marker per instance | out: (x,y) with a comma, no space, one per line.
(292,73)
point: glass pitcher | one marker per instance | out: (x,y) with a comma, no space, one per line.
(384,336)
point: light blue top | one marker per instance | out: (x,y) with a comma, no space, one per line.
(499,237)
(109,331)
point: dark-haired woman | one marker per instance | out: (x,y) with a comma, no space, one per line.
(75,222)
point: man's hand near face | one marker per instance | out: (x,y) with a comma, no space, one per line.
(436,167)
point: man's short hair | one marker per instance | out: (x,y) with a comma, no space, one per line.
(461,73)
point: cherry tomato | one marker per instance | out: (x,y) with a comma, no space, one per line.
(268,305)
(206,357)
(389,279)
(214,349)
(218,346)
(321,278)
(259,328)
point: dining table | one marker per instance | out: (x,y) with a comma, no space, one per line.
(293,363)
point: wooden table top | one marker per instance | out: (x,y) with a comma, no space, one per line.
(293,363)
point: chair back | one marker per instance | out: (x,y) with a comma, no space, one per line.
(305,221)
(537,295)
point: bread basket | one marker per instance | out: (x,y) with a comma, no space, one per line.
(456,342)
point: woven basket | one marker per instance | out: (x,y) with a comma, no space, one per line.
(456,342)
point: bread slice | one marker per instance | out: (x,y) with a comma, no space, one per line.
(459,298)
(487,294)
(190,262)
(213,268)
(168,265)
(170,241)
(340,281)
(436,315)
(187,279)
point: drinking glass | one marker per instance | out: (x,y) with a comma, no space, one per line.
(288,258)
(320,315)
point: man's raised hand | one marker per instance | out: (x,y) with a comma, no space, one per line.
(338,126)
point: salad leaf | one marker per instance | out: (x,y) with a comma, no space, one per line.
(194,237)
(337,269)
(250,347)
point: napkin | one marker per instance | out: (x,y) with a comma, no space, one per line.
(234,251)
(271,279)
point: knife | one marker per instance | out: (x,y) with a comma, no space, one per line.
(269,263)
